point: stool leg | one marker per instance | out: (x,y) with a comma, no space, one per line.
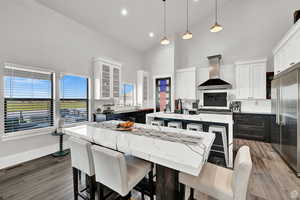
(151,183)
(88,184)
(191,194)
(100,191)
(79,177)
(182,191)
(143,196)
(225,148)
(75,183)
(92,187)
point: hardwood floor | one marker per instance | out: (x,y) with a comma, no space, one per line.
(50,178)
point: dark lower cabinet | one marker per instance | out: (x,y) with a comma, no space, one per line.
(252,126)
(138,116)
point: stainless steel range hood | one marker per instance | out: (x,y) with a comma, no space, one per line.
(214,82)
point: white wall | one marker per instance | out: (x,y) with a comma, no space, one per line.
(251,31)
(34,35)
(159,61)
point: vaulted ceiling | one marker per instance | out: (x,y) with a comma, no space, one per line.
(144,16)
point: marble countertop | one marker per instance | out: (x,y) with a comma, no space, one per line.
(207,117)
(131,110)
(254,113)
(188,158)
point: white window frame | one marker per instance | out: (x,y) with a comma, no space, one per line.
(134,92)
(61,74)
(32,132)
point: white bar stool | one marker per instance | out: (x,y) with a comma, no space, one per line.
(221,130)
(82,161)
(119,172)
(157,123)
(222,183)
(175,124)
(194,127)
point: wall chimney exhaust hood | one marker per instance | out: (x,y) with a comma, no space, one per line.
(214,82)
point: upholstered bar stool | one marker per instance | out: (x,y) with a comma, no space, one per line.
(194,127)
(222,183)
(118,172)
(175,124)
(222,131)
(157,123)
(82,161)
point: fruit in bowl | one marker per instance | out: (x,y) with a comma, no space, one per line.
(127,124)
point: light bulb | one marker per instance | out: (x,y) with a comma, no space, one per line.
(151,34)
(216,28)
(187,35)
(124,12)
(165,41)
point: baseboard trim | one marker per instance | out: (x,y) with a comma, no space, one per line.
(19,158)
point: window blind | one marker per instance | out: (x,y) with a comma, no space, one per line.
(28,99)
(74,99)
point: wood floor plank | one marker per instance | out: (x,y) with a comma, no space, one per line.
(50,178)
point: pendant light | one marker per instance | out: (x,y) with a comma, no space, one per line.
(187,35)
(165,40)
(216,27)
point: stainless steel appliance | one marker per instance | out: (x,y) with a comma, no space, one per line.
(98,117)
(215,111)
(214,82)
(285,136)
(214,99)
(107,109)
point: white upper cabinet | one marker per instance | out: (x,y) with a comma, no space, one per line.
(259,78)
(186,83)
(142,88)
(251,79)
(286,53)
(116,74)
(107,79)
(243,90)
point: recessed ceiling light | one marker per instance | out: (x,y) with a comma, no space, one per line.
(196,0)
(151,34)
(124,12)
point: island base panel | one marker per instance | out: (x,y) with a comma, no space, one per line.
(167,184)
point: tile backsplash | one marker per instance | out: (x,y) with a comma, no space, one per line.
(253,106)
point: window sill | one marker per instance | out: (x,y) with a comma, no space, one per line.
(25,134)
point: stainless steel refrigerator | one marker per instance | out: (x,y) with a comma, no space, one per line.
(285,136)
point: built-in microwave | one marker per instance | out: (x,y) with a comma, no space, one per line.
(215,100)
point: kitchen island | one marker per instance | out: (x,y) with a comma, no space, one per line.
(206,119)
(172,150)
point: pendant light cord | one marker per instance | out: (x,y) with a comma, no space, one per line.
(165,20)
(216,11)
(187,15)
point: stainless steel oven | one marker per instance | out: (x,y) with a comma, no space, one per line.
(215,100)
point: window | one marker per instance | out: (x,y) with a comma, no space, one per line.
(127,94)
(28,99)
(74,99)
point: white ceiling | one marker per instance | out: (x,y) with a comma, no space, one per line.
(144,16)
